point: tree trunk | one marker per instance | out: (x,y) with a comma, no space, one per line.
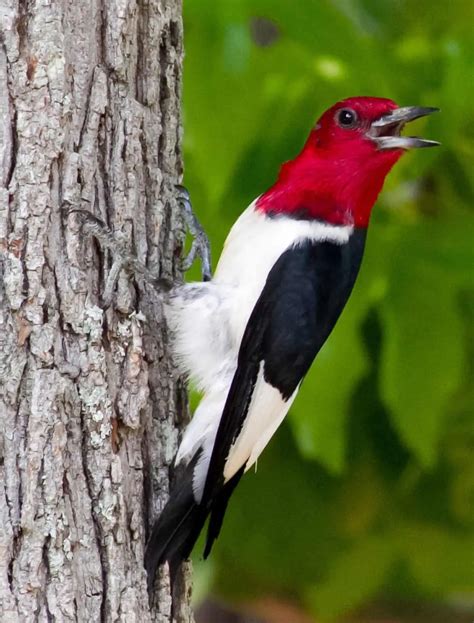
(90,404)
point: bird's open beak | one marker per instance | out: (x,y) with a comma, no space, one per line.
(385,132)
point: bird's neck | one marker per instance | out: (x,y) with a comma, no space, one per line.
(337,188)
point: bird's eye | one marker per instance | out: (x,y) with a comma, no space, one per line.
(347,118)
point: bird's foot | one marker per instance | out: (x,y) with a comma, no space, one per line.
(200,246)
(123,259)
(121,256)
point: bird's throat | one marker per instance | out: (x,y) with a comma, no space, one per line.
(339,189)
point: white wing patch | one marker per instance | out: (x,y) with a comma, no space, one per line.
(266,412)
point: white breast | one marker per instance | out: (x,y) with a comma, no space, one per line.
(254,244)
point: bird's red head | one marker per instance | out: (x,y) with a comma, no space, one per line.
(340,171)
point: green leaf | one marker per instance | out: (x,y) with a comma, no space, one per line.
(355,577)
(440,561)
(422,349)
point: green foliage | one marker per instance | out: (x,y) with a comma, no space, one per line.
(369,561)
(422,359)
(367,490)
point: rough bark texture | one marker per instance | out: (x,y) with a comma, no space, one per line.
(89,400)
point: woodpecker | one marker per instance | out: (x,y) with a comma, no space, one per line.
(247,337)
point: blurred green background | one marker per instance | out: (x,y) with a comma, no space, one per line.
(363,501)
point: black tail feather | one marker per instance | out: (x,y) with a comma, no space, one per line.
(219,507)
(174,533)
(178,527)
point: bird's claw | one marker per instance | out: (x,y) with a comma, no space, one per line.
(121,257)
(200,246)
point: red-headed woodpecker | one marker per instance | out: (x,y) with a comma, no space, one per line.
(248,337)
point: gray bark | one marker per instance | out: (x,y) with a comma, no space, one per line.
(90,404)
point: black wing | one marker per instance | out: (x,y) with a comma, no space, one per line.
(304,294)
